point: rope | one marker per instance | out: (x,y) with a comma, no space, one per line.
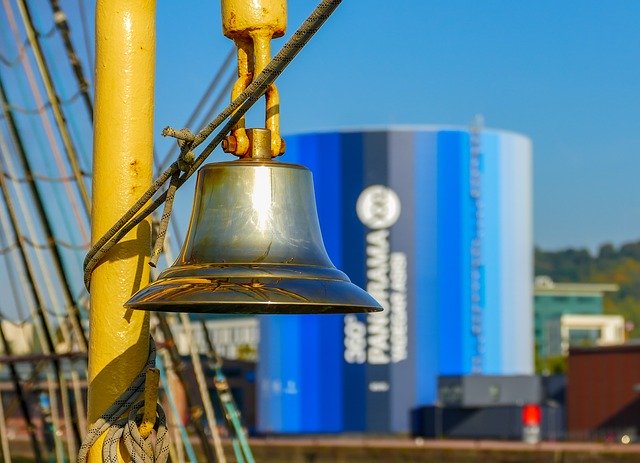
(85,35)
(120,421)
(164,221)
(49,132)
(202,388)
(35,135)
(8,248)
(42,178)
(46,105)
(233,113)
(49,243)
(11,62)
(165,358)
(226,65)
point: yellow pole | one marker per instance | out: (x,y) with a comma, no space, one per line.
(122,168)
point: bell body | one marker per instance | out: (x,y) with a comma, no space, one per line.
(254,246)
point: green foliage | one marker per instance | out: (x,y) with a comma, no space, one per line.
(553,365)
(610,265)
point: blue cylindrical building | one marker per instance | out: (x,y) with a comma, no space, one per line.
(435,222)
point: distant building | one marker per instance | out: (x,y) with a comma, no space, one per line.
(584,330)
(603,394)
(553,300)
(234,337)
(20,336)
(435,222)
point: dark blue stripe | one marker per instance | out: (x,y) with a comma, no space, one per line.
(354,265)
(378,401)
(402,179)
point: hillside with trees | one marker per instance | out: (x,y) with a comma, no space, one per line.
(611,265)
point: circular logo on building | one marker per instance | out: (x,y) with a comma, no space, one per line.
(378,207)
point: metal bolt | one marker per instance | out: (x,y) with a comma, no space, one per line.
(230,144)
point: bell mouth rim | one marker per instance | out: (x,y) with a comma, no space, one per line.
(250,308)
(254,295)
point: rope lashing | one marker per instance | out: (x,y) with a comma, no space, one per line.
(120,421)
(232,114)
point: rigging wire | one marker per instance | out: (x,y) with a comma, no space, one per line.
(46,105)
(21,397)
(12,62)
(18,267)
(73,433)
(200,379)
(7,249)
(22,205)
(63,26)
(62,205)
(31,232)
(35,90)
(69,148)
(83,152)
(11,272)
(42,178)
(49,243)
(86,35)
(167,368)
(44,220)
(215,81)
(44,336)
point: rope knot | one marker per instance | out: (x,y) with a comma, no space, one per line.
(186,158)
(120,421)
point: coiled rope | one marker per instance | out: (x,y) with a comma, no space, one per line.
(121,421)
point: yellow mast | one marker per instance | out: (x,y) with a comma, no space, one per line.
(122,169)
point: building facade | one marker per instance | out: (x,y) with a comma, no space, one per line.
(435,223)
(553,300)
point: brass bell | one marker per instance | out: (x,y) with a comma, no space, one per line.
(254,246)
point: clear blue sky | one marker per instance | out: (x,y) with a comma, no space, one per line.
(565,73)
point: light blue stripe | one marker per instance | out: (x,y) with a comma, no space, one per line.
(516,257)
(491,239)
